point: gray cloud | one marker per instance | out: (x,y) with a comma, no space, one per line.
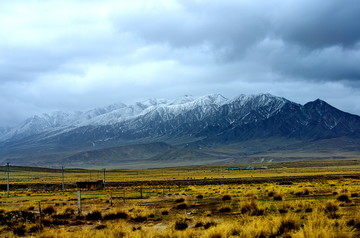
(68,55)
(319,24)
(320,39)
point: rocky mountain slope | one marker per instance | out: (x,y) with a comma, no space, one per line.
(209,121)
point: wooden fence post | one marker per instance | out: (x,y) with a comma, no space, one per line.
(79,201)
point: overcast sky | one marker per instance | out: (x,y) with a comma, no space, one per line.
(78,55)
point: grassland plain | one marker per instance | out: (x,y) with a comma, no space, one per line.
(300,199)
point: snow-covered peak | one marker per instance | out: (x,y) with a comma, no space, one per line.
(166,109)
(152,102)
(182,100)
(216,99)
(258,99)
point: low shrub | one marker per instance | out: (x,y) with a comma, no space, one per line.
(117,215)
(95,215)
(288,224)
(278,198)
(209,224)
(354,195)
(225,209)
(139,218)
(283,210)
(100,227)
(35,228)
(19,231)
(31,208)
(49,210)
(308,209)
(251,209)
(179,200)
(181,225)
(226,198)
(343,198)
(181,206)
(200,196)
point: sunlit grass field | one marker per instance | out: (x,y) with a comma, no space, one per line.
(273,202)
(52,176)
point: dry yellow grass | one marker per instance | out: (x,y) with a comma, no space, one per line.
(320,207)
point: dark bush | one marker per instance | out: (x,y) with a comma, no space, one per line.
(49,210)
(226,198)
(200,196)
(179,200)
(36,228)
(46,222)
(343,198)
(330,208)
(110,216)
(17,216)
(309,209)
(199,224)
(181,206)
(286,226)
(59,222)
(209,224)
(62,216)
(286,183)
(95,215)
(180,225)
(31,208)
(354,224)
(69,210)
(305,192)
(278,198)
(113,216)
(271,194)
(121,215)
(225,209)
(19,231)
(283,210)
(251,209)
(100,227)
(354,195)
(139,218)
(165,212)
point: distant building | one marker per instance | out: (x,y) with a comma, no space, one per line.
(233,168)
(90,185)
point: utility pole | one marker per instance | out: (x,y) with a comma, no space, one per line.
(8,180)
(104,170)
(62,176)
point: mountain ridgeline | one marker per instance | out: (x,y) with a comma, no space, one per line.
(197,128)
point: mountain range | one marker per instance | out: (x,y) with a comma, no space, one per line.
(189,130)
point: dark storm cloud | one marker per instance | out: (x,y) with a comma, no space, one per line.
(319,39)
(319,24)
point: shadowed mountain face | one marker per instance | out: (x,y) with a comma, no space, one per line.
(210,121)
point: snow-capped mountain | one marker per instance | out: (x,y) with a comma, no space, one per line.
(193,122)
